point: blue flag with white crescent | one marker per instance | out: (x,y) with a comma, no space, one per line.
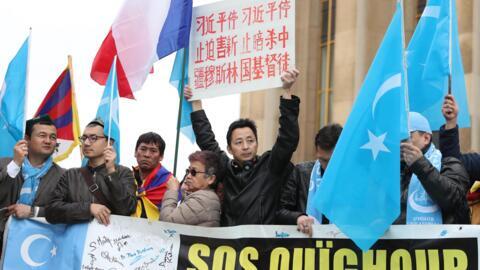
(108,109)
(176,80)
(32,244)
(432,54)
(360,189)
(12,101)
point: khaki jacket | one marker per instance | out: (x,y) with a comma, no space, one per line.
(201,208)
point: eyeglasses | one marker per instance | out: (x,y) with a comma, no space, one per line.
(192,172)
(91,138)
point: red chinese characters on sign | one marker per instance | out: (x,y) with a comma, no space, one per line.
(226,53)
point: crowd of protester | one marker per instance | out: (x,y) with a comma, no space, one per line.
(219,190)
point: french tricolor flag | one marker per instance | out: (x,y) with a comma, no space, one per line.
(143,32)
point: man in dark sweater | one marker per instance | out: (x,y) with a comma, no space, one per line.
(252,182)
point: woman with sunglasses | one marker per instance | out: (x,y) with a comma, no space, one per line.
(200,204)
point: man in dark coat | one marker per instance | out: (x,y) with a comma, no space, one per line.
(294,195)
(97,190)
(27,180)
(252,183)
(433,188)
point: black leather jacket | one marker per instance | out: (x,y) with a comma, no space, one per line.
(447,188)
(251,195)
(294,195)
(71,198)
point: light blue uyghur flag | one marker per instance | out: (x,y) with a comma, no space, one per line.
(32,244)
(428,64)
(12,101)
(360,190)
(175,80)
(105,108)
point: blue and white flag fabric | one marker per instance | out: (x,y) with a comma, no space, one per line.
(428,64)
(32,244)
(313,188)
(360,190)
(108,109)
(176,80)
(12,101)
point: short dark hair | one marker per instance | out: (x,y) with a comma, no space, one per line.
(39,120)
(327,136)
(98,122)
(241,123)
(212,164)
(151,137)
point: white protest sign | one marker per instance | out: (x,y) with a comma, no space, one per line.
(240,46)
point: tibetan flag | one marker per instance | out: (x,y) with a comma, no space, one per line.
(12,101)
(360,190)
(143,32)
(60,105)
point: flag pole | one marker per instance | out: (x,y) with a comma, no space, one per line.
(179,118)
(111,97)
(450,36)
(27,80)
(405,73)
(75,119)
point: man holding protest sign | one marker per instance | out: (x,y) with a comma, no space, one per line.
(252,183)
(97,190)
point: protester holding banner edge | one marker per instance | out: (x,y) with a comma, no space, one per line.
(304,180)
(96,190)
(28,179)
(252,183)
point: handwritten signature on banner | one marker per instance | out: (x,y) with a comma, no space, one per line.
(119,247)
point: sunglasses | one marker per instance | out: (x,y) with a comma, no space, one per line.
(192,172)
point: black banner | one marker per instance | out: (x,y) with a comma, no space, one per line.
(339,254)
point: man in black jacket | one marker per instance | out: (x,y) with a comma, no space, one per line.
(97,190)
(27,181)
(252,183)
(433,189)
(294,195)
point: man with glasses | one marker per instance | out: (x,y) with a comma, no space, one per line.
(150,175)
(96,190)
(27,181)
